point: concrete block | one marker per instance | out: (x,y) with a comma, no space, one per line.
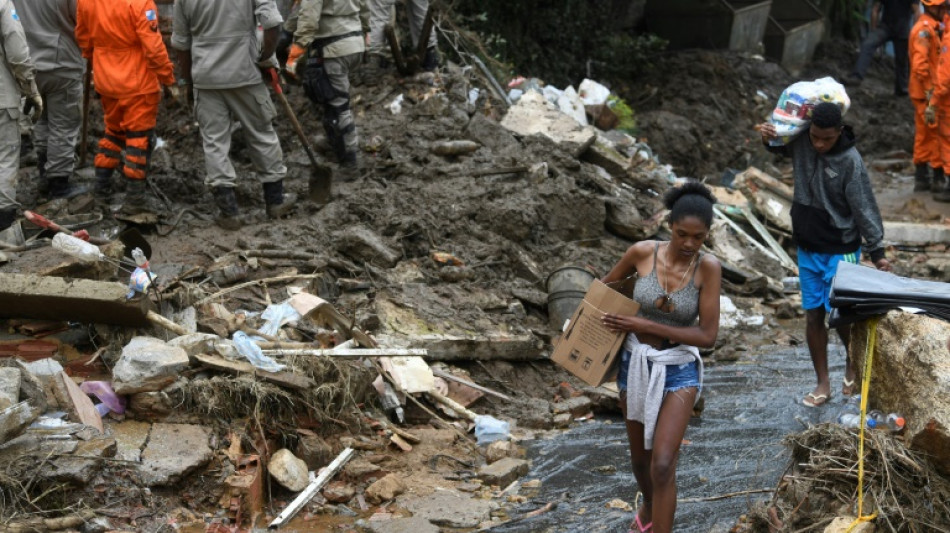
(82,300)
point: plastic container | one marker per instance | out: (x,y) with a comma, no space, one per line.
(566,289)
(895,422)
(876,420)
(77,248)
(850,420)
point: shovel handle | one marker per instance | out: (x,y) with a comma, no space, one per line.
(43,222)
(275,83)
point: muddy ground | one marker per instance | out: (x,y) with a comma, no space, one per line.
(507,230)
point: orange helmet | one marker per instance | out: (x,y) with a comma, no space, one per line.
(933,3)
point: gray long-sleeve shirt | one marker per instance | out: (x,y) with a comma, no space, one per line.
(16,67)
(222,38)
(50,27)
(834,206)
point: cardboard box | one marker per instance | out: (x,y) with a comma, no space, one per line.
(586,348)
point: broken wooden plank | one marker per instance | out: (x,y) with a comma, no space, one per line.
(66,299)
(748,238)
(353,353)
(77,404)
(767,237)
(308,493)
(289,380)
(767,182)
(453,405)
(445,375)
(165,323)
(399,442)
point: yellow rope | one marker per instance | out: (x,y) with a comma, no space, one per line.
(865,383)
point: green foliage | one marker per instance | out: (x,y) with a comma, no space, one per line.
(627,123)
(559,42)
(845,17)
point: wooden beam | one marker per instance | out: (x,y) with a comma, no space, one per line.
(308,493)
(445,375)
(352,353)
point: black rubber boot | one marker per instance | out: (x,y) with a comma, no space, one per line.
(7,216)
(278,203)
(942,193)
(27,155)
(431,60)
(42,185)
(937,180)
(226,201)
(136,199)
(103,189)
(921,178)
(59,187)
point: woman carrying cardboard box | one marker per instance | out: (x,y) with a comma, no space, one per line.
(661,373)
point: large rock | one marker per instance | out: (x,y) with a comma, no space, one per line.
(173,451)
(15,419)
(196,343)
(147,364)
(503,472)
(130,436)
(385,489)
(364,245)
(911,376)
(533,114)
(314,451)
(9,386)
(414,524)
(288,470)
(449,509)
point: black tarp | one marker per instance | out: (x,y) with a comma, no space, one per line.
(859,292)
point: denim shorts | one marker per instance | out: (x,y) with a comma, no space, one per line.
(816,271)
(677,376)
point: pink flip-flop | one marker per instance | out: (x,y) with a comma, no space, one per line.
(640,527)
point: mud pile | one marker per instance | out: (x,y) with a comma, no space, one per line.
(698,107)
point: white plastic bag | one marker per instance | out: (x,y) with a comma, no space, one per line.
(489,429)
(593,93)
(792,113)
(249,349)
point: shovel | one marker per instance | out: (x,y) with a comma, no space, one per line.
(43,222)
(321,177)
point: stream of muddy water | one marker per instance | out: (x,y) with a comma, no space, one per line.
(734,447)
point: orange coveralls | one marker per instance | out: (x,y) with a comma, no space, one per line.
(129,60)
(941,99)
(924,52)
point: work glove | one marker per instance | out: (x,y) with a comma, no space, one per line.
(930,115)
(173,92)
(37,104)
(266,65)
(296,52)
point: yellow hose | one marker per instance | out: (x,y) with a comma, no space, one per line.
(865,383)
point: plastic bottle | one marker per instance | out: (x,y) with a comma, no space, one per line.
(390,402)
(876,420)
(850,420)
(77,248)
(895,422)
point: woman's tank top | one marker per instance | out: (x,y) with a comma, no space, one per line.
(685,301)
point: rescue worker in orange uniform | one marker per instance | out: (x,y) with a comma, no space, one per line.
(129,66)
(924,53)
(939,110)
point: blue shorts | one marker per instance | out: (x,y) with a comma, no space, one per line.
(677,376)
(815,273)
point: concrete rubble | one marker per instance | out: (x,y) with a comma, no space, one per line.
(397,262)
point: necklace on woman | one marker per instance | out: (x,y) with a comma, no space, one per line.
(665,303)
